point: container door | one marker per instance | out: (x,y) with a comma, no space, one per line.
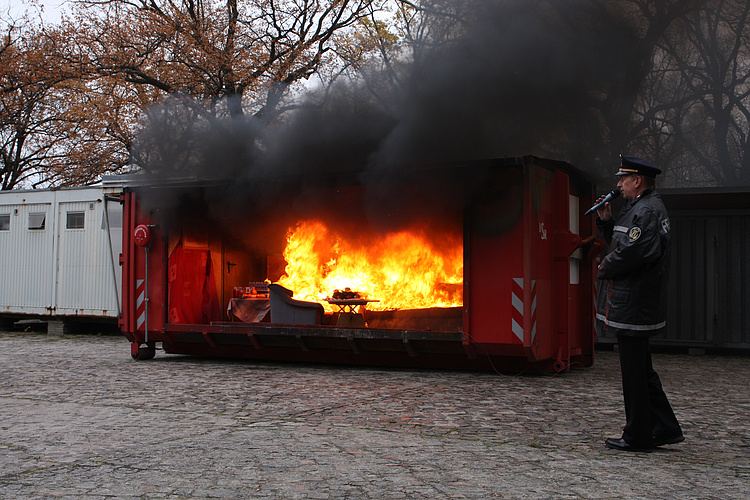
(538,294)
(573,285)
(86,280)
(494,242)
(26,246)
(144,285)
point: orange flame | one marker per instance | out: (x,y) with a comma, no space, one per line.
(401,270)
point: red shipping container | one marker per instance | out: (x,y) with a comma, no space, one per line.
(528,274)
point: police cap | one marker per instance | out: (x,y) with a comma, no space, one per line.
(633,165)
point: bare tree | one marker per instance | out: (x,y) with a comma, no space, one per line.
(44,131)
(494,60)
(666,79)
(236,56)
(75,96)
(712,61)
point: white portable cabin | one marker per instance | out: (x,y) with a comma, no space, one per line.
(59,252)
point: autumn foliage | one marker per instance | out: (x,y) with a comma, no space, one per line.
(74,93)
(666,79)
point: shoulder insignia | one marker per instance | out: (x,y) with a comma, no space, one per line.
(634,234)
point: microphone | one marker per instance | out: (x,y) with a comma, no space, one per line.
(611,196)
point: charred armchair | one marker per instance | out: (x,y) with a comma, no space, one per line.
(285,309)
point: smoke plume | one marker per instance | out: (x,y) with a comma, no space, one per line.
(520,78)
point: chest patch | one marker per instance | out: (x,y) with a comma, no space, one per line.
(634,233)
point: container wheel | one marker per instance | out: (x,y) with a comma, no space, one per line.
(142,353)
(558,366)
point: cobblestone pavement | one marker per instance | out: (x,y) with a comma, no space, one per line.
(81,419)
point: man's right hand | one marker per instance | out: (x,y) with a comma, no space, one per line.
(604,213)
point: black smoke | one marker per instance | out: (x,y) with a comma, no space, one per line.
(522,77)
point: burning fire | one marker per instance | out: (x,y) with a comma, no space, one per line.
(401,270)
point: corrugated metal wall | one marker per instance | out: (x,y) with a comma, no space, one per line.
(709,289)
(84,275)
(692,281)
(733,280)
(56,270)
(26,271)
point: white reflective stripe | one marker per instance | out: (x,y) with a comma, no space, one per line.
(622,229)
(628,326)
(517,303)
(517,329)
(517,315)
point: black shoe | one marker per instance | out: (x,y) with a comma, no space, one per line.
(622,445)
(668,440)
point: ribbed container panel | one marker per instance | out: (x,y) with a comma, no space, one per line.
(709,282)
(55,269)
(692,287)
(733,276)
(86,284)
(26,260)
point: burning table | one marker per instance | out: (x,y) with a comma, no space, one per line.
(347,301)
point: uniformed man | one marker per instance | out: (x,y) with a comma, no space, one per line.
(632,302)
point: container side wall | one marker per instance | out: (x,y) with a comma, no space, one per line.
(541,226)
(494,248)
(691,302)
(733,322)
(26,265)
(144,288)
(86,283)
(709,280)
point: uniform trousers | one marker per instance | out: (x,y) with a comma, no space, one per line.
(647,410)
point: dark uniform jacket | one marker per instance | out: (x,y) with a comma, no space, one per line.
(634,274)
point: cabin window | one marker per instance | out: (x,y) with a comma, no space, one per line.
(37,221)
(75,220)
(4,222)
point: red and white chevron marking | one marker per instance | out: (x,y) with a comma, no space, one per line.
(140,303)
(518,311)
